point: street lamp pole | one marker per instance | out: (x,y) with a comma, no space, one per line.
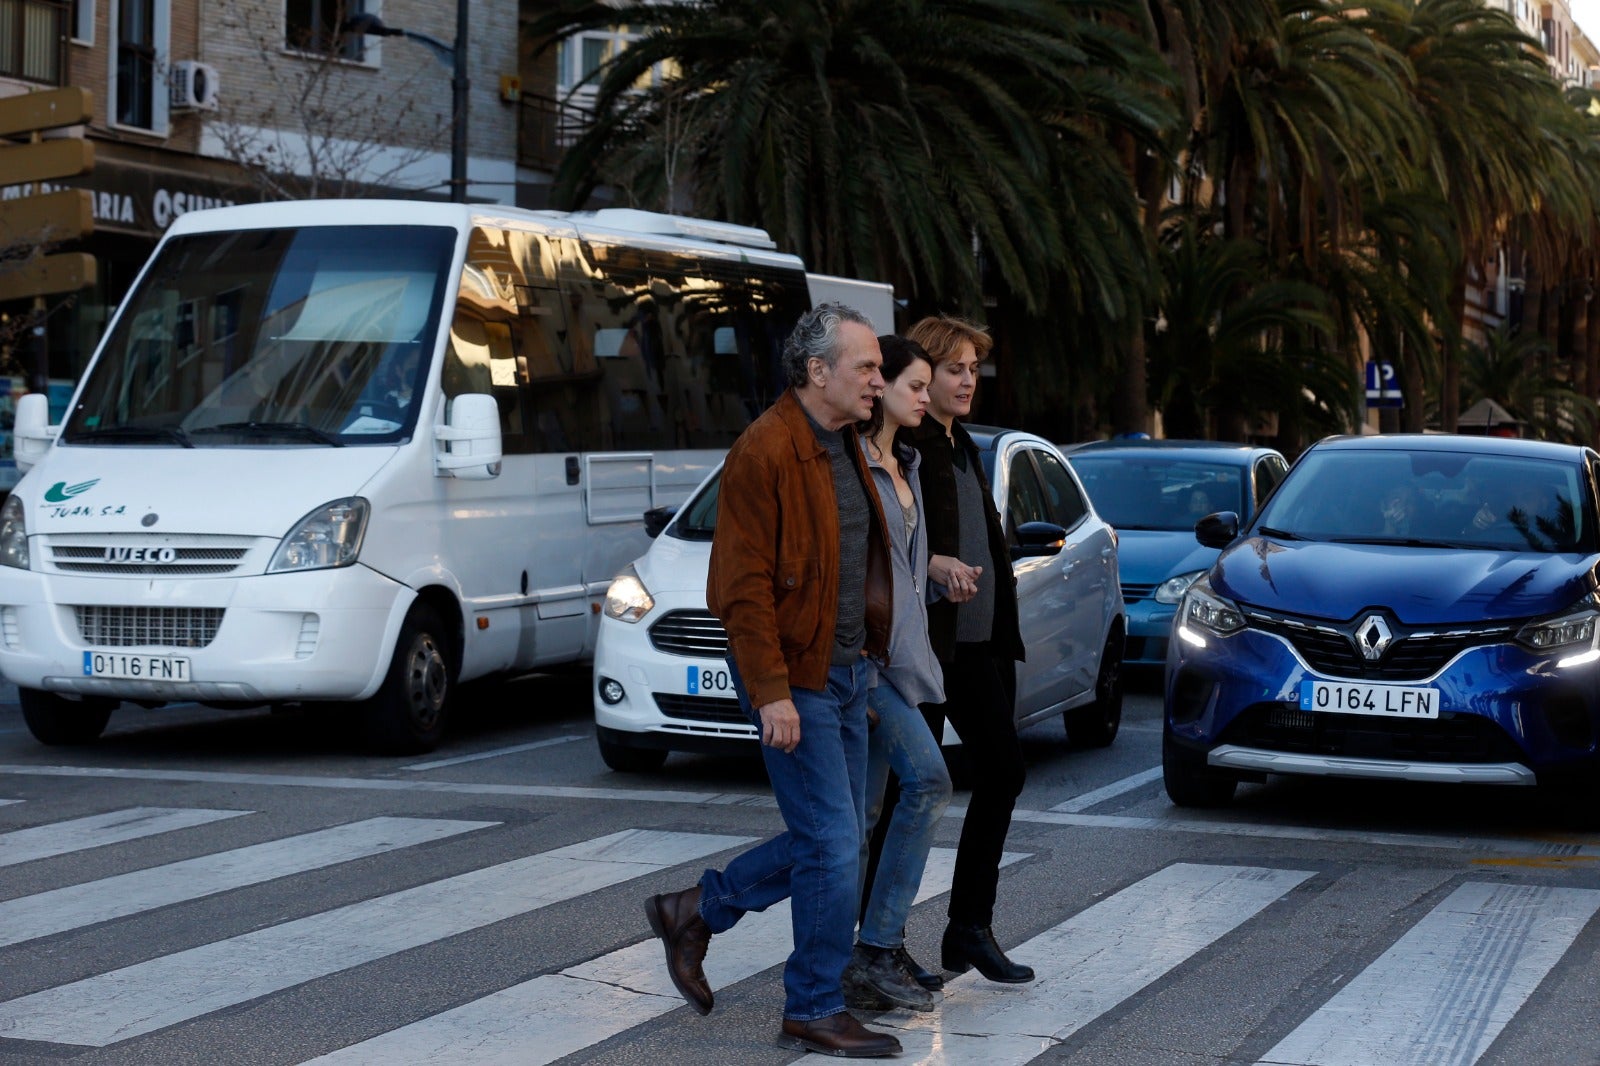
(453,56)
(458,110)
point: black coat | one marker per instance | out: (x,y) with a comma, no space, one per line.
(938,477)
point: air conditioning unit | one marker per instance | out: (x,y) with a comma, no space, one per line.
(194,86)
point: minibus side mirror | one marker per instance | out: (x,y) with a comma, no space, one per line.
(32,431)
(468,446)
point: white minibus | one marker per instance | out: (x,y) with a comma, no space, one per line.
(361,451)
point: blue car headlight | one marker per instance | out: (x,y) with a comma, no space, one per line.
(1203,612)
(1572,627)
(1172,589)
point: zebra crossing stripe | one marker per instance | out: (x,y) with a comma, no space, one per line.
(1088,964)
(7,803)
(97,830)
(1446,989)
(542,1020)
(59,910)
(147,996)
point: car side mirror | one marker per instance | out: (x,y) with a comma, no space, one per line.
(31,429)
(1217,530)
(656,519)
(1038,538)
(469,447)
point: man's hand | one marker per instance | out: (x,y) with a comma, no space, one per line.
(960,581)
(780,725)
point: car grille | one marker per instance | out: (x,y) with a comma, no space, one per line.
(1415,654)
(132,627)
(1463,738)
(696,633)
(207,559)
(700,708)
(1133,593)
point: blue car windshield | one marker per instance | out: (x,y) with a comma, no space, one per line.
(1435,499)
(1154,492)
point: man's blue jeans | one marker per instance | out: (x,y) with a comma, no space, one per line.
(820,789)
(903,743)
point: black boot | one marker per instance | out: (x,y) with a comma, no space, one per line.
(966,946)
(874,980)
(921,974)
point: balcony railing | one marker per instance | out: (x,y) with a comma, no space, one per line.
(545,127)
(33,40)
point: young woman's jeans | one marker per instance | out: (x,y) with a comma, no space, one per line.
(901,742)
(820,789)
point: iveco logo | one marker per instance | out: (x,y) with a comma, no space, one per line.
(1373,637)
(141,555)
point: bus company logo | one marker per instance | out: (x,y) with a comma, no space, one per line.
(61,492)
(141,555)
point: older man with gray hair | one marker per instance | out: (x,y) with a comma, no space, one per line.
(800,577)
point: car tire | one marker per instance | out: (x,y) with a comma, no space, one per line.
(407,715)
(626,760)
(61,720)
(1095,725)
(1190,782)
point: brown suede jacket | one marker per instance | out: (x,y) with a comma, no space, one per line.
(774,579)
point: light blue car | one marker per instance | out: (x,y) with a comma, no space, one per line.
(1153,492)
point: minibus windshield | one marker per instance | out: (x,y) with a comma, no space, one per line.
(319,336)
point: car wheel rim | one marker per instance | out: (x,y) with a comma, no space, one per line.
(427,682)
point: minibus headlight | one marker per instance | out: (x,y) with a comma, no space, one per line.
(13,534)
(328,537)
(627,600)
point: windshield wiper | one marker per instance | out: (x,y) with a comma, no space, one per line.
(304,429)
(132,433)
(1400,542)
(1279,534)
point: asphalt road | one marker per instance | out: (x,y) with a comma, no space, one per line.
(250,888)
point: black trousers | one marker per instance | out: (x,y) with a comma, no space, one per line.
(980,701)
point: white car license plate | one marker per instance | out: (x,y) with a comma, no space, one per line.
(708,680)
(1393,701)
(124,666)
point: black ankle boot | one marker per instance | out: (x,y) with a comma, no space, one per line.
(966,946)
(921,974)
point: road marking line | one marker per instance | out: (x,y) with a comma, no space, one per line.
(1446,989)
(7,803)
(98,830)
(147,996)
(1168,823)
(1116,788)
(1089,964)
(558,1014)
(493,754)
(46,913)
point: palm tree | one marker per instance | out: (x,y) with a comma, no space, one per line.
(1506,369)
(918,141)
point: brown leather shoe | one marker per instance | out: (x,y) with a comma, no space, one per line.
(839,1035)
(675,917)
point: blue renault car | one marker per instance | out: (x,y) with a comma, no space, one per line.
(1416,608)
(1153,492)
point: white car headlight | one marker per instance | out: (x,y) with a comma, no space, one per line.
(1205,610)
(13,534)
(1172,589)
(326,538)
(627,600)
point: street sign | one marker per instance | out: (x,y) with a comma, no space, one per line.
(50,110)
(48,275)
(1383,386)
(64,158)
(55,216)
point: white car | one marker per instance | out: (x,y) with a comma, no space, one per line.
(662,683)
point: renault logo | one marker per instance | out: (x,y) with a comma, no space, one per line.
(1373,637)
